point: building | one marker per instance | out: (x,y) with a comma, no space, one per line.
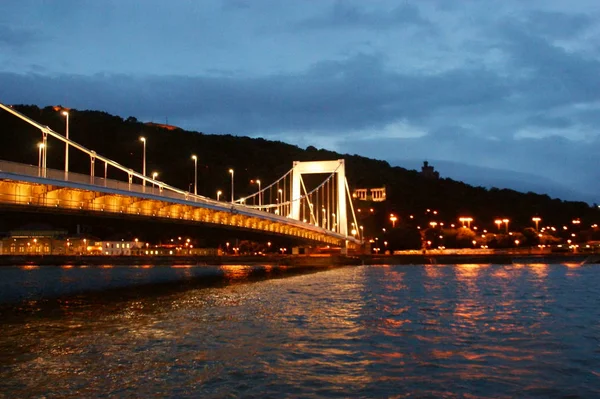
(429,171)
(34,241)
(116,248)
(370,194)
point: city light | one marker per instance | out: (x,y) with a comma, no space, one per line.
(195,158)
(231,172)
(393,219)
(65,113)
(536,219)
(143,140)
(467,220)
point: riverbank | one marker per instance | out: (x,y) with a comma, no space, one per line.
(300,260)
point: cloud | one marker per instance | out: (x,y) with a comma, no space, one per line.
(514,88)
(343,14)
(17,39)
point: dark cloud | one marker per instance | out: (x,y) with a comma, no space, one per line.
(16,38)
(355,94)
(495,88)
(343,14)
(558,25)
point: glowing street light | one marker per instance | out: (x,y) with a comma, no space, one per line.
(393,219)
(154,176)
(536,219)
(498,223)
(195,158)
(280,201)
(506,221)
(143,140)
(464,220)
(433,224)
(219,194)
(41,149)
(65,113)
(231,171)
(257,181)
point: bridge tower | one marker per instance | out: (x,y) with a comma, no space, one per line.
(317,167)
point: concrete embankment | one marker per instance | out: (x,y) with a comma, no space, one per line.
(319,261)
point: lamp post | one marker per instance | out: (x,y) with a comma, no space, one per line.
(257,181)
(498,223)
(393,219)
(41,149)
(195,158)
(259,193)
(219,194)
(154,176)
(143,140)
(537,221)
(506,221)
(279,200)
(231,171)
(65,113)
(467,220)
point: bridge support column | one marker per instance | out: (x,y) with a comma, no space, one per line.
(315,167)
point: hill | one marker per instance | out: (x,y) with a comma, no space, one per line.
(169,152)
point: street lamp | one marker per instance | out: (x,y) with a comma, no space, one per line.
(506,221)
(498,223)
(393,219)
(154,176)
(259,193)
(231,171)
(537,221)
(143,140)
(464,220)
(65,113)
(219,194)
(41,149)
(195,158)
(280,199)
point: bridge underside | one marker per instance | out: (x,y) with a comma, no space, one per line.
(24,195)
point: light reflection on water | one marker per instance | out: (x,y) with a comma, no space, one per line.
(480,331)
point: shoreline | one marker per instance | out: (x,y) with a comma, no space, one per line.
(300,260)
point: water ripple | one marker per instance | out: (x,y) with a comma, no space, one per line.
(465,331)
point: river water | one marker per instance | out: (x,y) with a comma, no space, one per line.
(465,331)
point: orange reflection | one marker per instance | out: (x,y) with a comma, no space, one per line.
(29,267)
(66,267)
(236,271)
(539,269)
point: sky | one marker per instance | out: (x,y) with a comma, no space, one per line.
(510,87)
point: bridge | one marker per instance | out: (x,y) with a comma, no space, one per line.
(284,207)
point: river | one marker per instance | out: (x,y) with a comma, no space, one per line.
(465,331)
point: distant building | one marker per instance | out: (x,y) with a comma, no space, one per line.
(122,247)
(370,194)
(35,240)
(429,171)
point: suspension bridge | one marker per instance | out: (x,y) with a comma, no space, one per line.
(323,214)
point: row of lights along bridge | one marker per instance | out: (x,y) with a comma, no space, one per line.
(43,148)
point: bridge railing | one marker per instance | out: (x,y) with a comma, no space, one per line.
(150,190)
